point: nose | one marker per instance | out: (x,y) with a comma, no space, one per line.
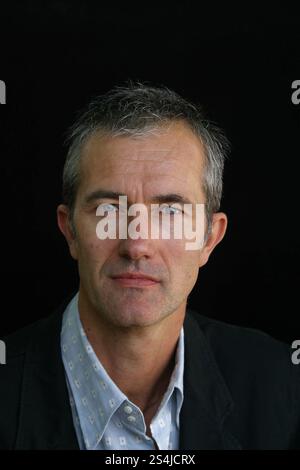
(138,243)
(136,249)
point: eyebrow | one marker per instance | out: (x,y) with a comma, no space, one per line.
(159,198)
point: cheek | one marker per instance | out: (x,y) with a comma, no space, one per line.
(93,252)
(90,248)
(183,264)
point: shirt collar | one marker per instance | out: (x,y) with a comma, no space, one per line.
(92,387)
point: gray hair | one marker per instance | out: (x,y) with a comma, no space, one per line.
(135,110)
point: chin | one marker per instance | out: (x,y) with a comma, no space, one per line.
(128,316)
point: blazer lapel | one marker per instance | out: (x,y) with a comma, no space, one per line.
(207,401)
(45,415)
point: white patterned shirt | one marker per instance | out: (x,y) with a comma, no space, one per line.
(104,418)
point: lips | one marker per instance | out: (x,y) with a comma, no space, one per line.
(135,279)
(134,276)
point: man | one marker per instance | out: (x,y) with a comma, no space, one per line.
(124,364)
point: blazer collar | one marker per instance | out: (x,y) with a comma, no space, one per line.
(207,401)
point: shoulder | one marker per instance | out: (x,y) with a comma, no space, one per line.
(250,359)
(258,372)
(234,340)
(19,342)
(29,345)
(28,350)
(11,379)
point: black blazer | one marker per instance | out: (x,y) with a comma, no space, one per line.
(241,390)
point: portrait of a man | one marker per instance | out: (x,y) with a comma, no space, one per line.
(124,363)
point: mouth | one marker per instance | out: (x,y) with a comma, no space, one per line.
(135,280)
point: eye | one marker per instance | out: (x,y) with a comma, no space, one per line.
(109,207)
(171,210)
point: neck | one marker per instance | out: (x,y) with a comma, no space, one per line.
(139,360)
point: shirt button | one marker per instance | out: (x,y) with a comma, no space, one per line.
(127,409)
(131,419)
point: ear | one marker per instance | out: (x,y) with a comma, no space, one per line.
(218,229)
(64,224)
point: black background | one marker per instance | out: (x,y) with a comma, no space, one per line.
(238,61)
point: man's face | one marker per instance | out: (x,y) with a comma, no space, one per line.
(168,162)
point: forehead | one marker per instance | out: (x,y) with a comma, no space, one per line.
(171,155)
